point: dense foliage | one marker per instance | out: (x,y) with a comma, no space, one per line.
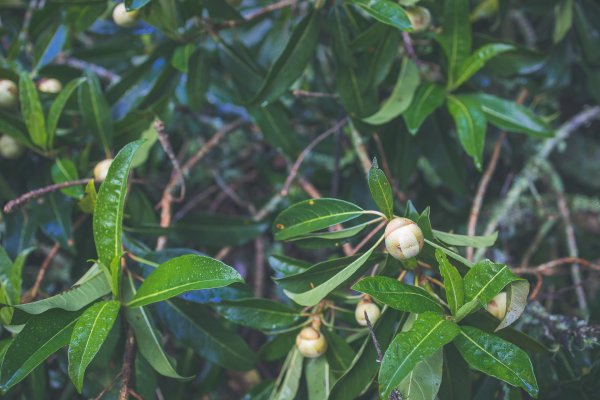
(299,199)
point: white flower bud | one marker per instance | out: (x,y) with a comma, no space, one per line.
(311,343)
(8,93)
(101,169)
(124,18)
(497,307)
(370,308)
(49,85)
(10,148)
(403,238)
(420,18)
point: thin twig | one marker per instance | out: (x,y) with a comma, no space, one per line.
(163,139)
(259,266)
(256,14)
(127,360)
(548,267)
(85,65)
(304,93)
(360,148)
(367,238)
(41,273)
(374,339)
(21,200)
(107,388)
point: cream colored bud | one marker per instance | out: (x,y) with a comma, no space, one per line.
(497,307)
(10,148)
(8,93)
(101,169)
(403,238)
(49,85)
(311,343)
(420,18)
(125,18)
(370,308)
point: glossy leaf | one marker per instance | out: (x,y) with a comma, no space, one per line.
(313,296)
(182,274)
(64,170)
(516,301)
(401,97)
(477,60)
(275,126)
(261,314)
(513,117)
(429,333)
(426,100)
(290,65)
(381,190)
(423,382)
(313,215)
(317,378)
(57,107)
(453,282)
(470,125)
(288,386)
(385,11)
(96,112)
(88,202)
(89,333)
(454,239)
(194,326)
(108,213)
(344,233)
(32,111)
(339,353)
(198,79)
(456,36)
(495,357)
(41,337)
(398,295)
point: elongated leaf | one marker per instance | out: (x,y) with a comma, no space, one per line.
(317,378)
(108,213)
(493,356)
(429,333)
(513,117)
(386,11)
(288,386)
(516,301)
(42,336)
(456,35)
(381,190)
(275,126)
(477,60)
(426,100)
(77,297)
(470,125)
(336,235)
(198,79)
(398,295)
(15,129)
(363,369)
(261,314)
(32,111)
(484,281)
(312,215)
(453,282)
(57,107)
(423,382)
(454,239)
(89,333)
(313,296)
(148,338)
(456,373)
(339,353)
(194,326)
(96,112)
(182,274)
(401,97)
(293,60)
(64,170)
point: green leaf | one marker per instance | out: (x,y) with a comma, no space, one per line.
(288,386)
(275,126)
(339,353)
(312,215)
(41,337)
(313,296)
(381,190)
(182,274)
(80,295)
(426,100)
(402,94)
(32,111)
(454,239)
(456,35)
(108,213)
(470,125)
(181,57)
(495,357)
(563,13)
(477,60)
(96,112)
(89,333)
(57,107)
(386,11)
(513,117)
(89,199)
(453,282)
(317,378)
(290,65)
(198,79)
(516,301)
(148,338)
(344,233)
(261,314)
(15,129)
(397,295)
(424,381)
(456,373)
(429,333)
(64,170)
(484,281)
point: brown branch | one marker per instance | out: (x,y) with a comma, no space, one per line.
(127,360)
(256,14)
(548,267)
(294,170)
(374,339)
(27,197)
(259,266)
(85,65)
(163,139)
(107,388)
(32,294)
(367,238)
(304,93)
